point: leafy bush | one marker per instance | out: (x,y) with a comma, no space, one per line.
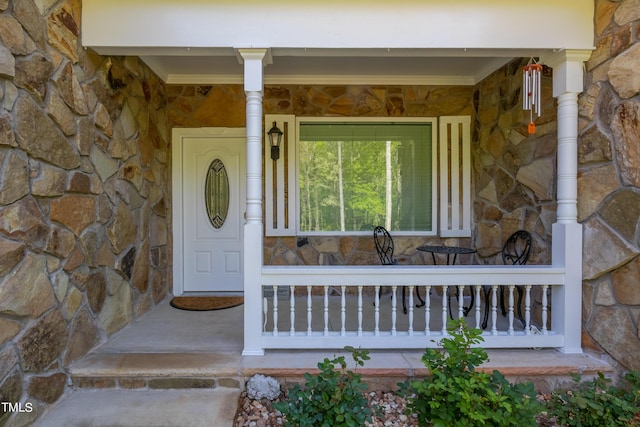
(598,403)
(330,398)
(455,394)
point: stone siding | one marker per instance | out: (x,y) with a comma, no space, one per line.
(609,184)
(195,106)
(84,199)
(513,172)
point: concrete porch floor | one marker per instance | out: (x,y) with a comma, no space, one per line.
(175,367)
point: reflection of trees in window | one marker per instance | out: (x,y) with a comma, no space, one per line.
(355,176)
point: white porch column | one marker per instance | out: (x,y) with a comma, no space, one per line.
(566,301)
(254,60)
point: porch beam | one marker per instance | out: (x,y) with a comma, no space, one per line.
(254,61)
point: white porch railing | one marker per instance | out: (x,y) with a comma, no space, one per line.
(331,307)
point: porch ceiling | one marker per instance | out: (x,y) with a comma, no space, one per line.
(334,66)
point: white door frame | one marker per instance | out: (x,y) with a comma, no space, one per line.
(177,136)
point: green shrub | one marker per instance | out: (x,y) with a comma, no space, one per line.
(598,403)
(330,398)
(455,394)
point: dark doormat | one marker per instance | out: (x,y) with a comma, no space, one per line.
(205,303)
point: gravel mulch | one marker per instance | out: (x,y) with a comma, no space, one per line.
(260,413)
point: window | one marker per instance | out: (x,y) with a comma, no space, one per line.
(355,174)
(347,175)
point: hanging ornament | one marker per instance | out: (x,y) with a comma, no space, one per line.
(531,84)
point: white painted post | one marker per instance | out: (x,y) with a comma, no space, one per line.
(254,60)
(566,302)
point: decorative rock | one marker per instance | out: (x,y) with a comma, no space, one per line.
(604,294)
(27,13)
(613,329)
(63,29)
(597,263)
(104,165)
(61,114)
(622,73)
(17,299)
(538,175)
(625,127)
(71,90)
(8,329)
(60,243)
(103,119)
(96,286)
(83,337)
(32,74)
(43,342)
(593,186)
(14,177)
(47,389)
(122,231)
(140,279)
(11,391)
(626,283)
(593,146)
(261,387)
(628,11)
(12,35)
(117,311)
(74,211)
(7,63)
(24,221)
(6,129)
(127,262)
(622,212)
(10,254)
(132,172)
(39,136)
(50,181)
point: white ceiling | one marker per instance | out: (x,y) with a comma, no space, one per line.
(334,66)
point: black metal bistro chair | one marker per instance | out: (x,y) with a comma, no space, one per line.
(515,251)
(385,248)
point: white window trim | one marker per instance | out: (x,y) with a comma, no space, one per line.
(454,222)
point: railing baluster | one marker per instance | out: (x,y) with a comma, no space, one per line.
(343,310)
(478,304)
(410,330)
(527,309)
(360,310)
(292,305)
(494,310)
(444,309)
(394,303)
(326,310)
(427,310)
(275,310)
(544,309)
(460,301)
(309,315)
(376,329)
(511,309)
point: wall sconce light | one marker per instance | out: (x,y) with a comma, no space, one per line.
(275,136)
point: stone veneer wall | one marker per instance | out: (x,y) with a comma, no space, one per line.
(84,192)
(513,172)
(195,106)
(609,184)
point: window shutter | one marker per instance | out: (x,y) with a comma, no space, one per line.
(455,176)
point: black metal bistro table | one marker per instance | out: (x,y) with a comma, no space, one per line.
(455,251)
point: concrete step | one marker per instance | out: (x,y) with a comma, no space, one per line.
(545,368)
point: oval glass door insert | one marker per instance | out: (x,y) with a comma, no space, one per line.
(216,193)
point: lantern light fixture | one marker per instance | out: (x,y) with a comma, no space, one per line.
(275,137)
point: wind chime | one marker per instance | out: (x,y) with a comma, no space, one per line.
(531,84)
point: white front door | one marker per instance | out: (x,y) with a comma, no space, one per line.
(211,202)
